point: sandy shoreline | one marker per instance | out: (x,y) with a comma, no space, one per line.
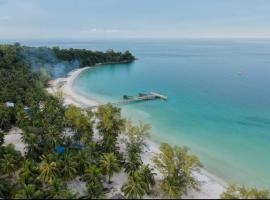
(211,186)
(64,85)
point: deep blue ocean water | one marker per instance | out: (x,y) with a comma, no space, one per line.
(219,98)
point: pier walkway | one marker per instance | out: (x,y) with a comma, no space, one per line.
(141,97)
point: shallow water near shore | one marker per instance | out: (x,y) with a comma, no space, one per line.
(219,98)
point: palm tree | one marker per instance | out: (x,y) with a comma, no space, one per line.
(148,176)
(242,192)
(135,188)
(93,177)
(176,166)
(94,190)
(8,164)
(58,190)
(33,144)
(2,135)
(137,135)
(5,188)
(68,166)
(109,143)
(92,173)
(48,170)
(53,137)
(109,164)
(133,162)
(82,159)
(170,187)
(28,172)
(20,116)
(28,192)
(109,125)
(4,118)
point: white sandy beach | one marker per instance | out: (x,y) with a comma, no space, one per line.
(211,186)
(64,85)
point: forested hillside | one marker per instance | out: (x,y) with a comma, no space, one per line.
(24,71)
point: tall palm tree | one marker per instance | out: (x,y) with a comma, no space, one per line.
(82,159)
(148,176)
(68,166)
(48,170)
(53,137)
(92,173)
(21,116)
(109,143)
(133,162)
(176,165)
(28,192)
(4,118)
(109,125)
(94,186)
(8,164)
(28,172)
(58,190)
(109,164)
(136,187)
(170,187)
(32,144)
(5,188)
(242,192)
(94,190)
(2,135)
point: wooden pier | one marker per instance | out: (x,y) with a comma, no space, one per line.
(139,98)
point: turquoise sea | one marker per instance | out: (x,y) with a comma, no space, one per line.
(219,98)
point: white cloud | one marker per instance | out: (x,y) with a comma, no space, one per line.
(101,30)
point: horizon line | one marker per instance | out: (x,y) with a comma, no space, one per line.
(129,38)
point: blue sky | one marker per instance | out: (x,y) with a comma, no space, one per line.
(86,19)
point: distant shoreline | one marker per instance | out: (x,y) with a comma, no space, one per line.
(211,187)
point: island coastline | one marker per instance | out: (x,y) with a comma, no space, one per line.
(211,185)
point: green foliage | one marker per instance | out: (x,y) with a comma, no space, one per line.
(10,160)
(48,169)
(68,166)
(137,134)
(80,122)
(148,176)
(176,166)
(136,187)
(29,172)
(29,191)
(83,160)
(236,192)
(5,118)
(24,72)
(33,141)
(93,178)
(133,162)
(89,58)
(109,126)
(58,190)
(109,164)
(5,187)
(2,138)
(94,190)
(17,83)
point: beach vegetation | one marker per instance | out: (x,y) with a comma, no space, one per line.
(136,187)
(109,165)
(242,192)
(93,178)
(176,165)
(67,143)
